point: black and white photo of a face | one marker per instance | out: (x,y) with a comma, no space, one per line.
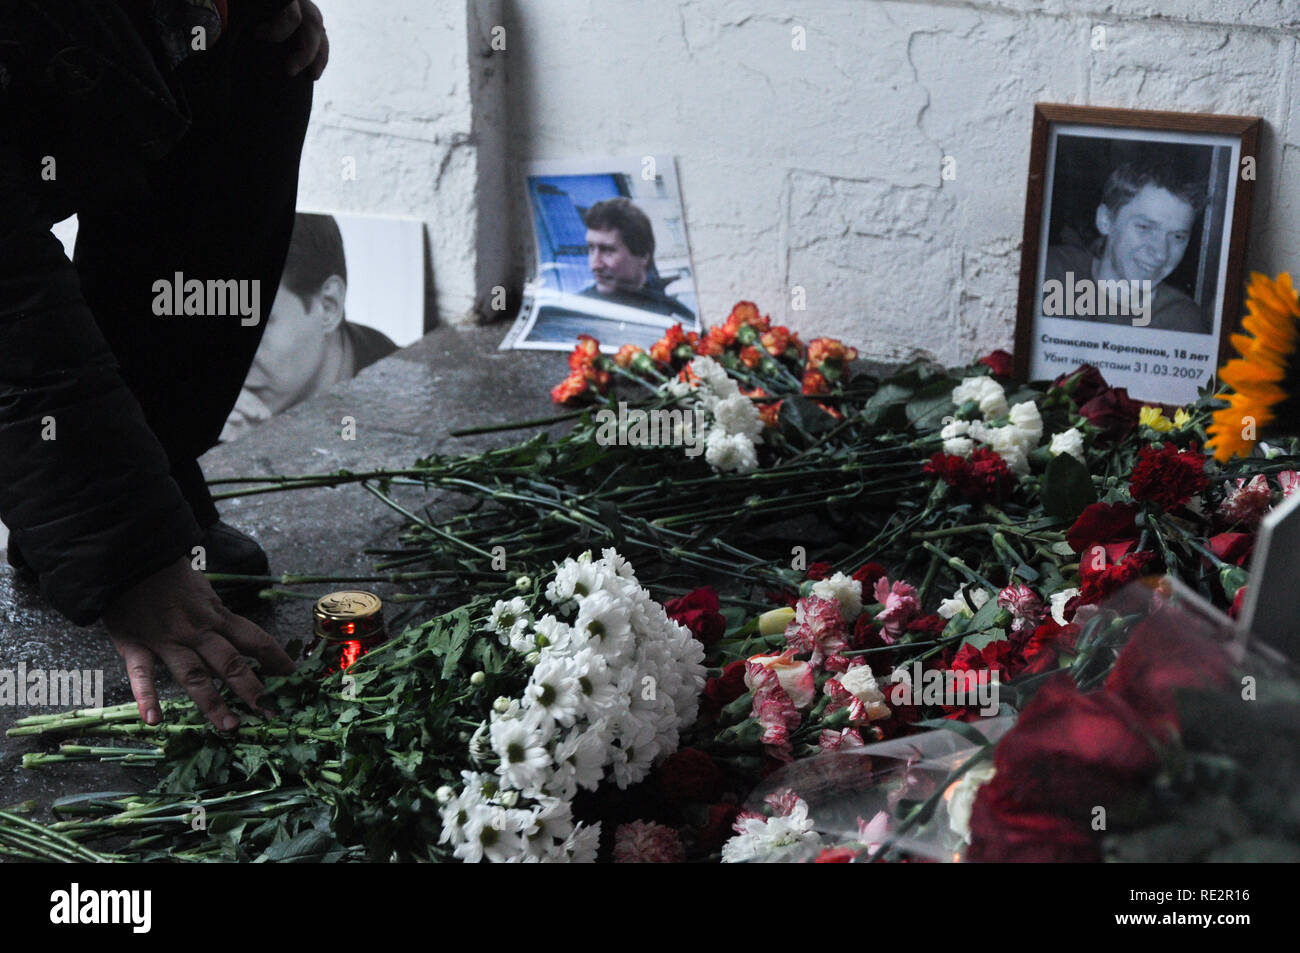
(1134,232)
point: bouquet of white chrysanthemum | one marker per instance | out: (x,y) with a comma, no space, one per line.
(613,681)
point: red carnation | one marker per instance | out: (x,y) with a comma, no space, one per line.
(1113,413)
(819,571)
(1098,583)
(1168,477)
(723,690)
(983,477)
(698,611)
(999,362)
(690,775)
(868,573)
(1042,651)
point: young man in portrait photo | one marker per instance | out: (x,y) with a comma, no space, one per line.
(620,253)
(309,344)
(1145,220)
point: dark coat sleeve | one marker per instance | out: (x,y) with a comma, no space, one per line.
(93,509)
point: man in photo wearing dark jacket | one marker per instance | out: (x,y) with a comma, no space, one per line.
(174,129)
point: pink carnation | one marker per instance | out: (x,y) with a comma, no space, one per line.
(846,740)
(644,842)
(875,832)
(818,628)
(1246,503)
(841,697)
(1290,481)
(1027,611)
(901,605)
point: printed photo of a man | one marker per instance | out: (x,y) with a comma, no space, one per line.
(309,344)
(620,253)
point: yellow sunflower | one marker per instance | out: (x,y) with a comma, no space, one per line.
(1264,378)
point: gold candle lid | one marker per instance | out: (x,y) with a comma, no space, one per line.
(351,614)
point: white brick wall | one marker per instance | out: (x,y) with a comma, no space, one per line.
(822,168)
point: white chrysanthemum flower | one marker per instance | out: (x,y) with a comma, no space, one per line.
(617,564)
(772,839)
(459,814)
(573,580)
(986,392)
(584,752)
(553,687)
(552,636)
(603,623)
(583,843)
(728,453)
(957,605)
(1068,441)
(1058,601)
(523,745)
(963,798)
(845,590)
(510,620)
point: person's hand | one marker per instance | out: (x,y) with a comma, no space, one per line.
(302,24)
(174,615)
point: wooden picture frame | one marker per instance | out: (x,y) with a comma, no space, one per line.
(1175,334)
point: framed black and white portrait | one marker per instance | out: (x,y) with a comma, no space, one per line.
(1135,231)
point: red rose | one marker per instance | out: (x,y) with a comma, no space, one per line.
(690,775)
(1167,650)
(1113,413)
(1071,751)
(1082,385)
(1233,548)
(1237,601)
(723,690)
(698,611)
(1102,523)
(1002,832)
(1168,477)
(999,362)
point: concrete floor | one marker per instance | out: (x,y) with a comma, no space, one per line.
(405,407)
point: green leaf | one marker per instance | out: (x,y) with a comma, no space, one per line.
(309,847)
(1067,488)
(884,404)
(927,408)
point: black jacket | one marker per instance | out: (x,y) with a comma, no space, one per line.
(94,509)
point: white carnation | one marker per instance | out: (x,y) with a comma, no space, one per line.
(846,590)
(1068,441)
(986,392)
